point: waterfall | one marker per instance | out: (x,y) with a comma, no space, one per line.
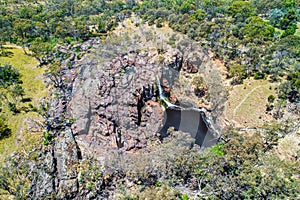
(192,120)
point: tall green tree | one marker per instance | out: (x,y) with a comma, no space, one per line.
(257,30)
(241,10)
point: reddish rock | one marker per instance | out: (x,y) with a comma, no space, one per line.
(106,98)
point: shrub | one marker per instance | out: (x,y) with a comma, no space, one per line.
(8,76)
(199,86)
(259,75)
(12,107)
(271,98)
(4,130)
(47,138)
(152,193)
(217,149)
(184,197)
(236,72)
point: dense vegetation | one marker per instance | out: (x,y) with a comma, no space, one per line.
(10,92)
(10,87)
(241,167)
(255,38)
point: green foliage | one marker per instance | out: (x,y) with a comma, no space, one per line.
(48,138)
(198,15)
(290,89)
(290,30)
(237,168)
(8,76)
(217,149)
(245,171)
(14,177)
(38,23)
(4,130)
(275,16)
(294,77)
(241,10)
(239,33)
(273,134)
(90,177)
(237,73)
(256,29)
(184,197)
(199,86)
(17,91)
(291,44)
(271,98)
(198,81)
(158,184)
(42,109)
(9,81)
(259,75)
(289,19)
(72,120)
(12,107)
(171,41)
(152,193)
(186,6)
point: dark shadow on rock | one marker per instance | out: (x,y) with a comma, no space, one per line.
(190,121)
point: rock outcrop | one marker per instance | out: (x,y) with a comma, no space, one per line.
(107,103)
(67,157)
(114,103)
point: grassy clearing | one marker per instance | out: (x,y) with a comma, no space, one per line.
(34,89)
(298,29)
(280,31)
(246,104)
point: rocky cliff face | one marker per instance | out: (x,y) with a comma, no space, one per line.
(105,103)
(114,103)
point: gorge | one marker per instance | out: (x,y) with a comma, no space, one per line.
(149,99)
(109,104)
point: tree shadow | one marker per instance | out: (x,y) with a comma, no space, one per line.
(26,99)
(8,54)
(5,132)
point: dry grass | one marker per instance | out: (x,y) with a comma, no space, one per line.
(289,146)
(246,104)
(34,89)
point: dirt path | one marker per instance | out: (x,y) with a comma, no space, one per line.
(244,99)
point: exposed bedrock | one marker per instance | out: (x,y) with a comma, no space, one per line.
(111,93)
(67,157)
(54,173)
(114,104)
